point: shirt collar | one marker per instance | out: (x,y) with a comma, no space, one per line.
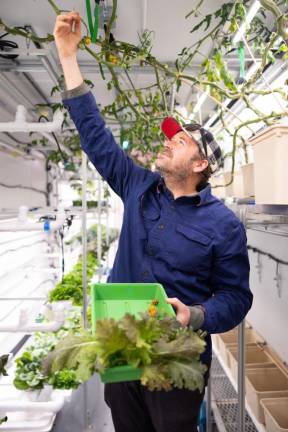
(203,197)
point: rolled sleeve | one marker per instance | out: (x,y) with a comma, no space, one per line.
(80,90)
(197,317)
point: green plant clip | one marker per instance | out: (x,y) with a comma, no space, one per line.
(93,28)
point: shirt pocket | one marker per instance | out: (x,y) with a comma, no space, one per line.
(191,249)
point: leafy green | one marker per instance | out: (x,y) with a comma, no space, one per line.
(156,377)
(73,352)
(3,362)
(111,342)
(186,344)
(223,70)
(167,353)
(64,379)
(70,288)
(29,374)
(3,420)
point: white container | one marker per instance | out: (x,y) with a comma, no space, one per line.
(264,383)
(276,414)
(221,180)
(255,357)
(237,185)
(270,165)
(248,180)
(230,340)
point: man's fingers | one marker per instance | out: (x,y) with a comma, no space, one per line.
(62,28)
(174,301)
(77,28)
(68,17)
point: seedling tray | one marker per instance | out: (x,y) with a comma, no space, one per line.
(114,300)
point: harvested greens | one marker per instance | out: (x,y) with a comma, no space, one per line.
(167,353)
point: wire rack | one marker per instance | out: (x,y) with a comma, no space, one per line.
(225,401)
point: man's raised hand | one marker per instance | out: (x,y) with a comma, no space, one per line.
(67,34)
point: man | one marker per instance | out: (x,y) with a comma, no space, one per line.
(174,232)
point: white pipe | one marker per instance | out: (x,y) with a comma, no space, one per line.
(31,328)
(144,15)
(52,406)
(33,226)
(21,125)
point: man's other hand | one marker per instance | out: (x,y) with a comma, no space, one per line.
(183,313)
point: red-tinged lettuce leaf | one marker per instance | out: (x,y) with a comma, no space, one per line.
(156,377)
(186,345)
(187,375)
(111,342)
(72,352)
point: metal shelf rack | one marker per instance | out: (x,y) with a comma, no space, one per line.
(233,411)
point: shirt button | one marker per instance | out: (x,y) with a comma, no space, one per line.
(161,226)
(145,273)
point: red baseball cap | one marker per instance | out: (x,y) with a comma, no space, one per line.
(170,127)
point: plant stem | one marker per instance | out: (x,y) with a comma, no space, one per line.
(56,9)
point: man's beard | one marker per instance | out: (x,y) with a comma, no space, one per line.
(178,175)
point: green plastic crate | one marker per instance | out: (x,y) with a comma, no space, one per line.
(114,300)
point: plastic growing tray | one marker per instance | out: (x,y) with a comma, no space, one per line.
(114,300)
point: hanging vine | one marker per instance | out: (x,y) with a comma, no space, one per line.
(138,110)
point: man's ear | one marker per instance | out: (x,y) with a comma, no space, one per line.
(200,165)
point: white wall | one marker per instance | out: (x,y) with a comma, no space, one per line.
(269,313)
(17,171)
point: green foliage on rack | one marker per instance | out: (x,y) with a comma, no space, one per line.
(168,353)
(90,203)
(65,379)
(3,420)
(92,234)
(3,362)
(71,288)
(28,375)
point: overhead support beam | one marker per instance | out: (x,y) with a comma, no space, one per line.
(47,61)
(8,85)
(92,67)
(51,72)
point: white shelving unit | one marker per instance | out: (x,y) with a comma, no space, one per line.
(260,427)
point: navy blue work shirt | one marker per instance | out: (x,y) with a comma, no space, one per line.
(194,246)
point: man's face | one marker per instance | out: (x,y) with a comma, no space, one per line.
(180,157)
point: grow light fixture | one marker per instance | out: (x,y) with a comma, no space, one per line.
(249,17)
(200,101)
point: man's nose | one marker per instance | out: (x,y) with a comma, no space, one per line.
(168,144)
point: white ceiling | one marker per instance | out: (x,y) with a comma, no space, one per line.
(20,79)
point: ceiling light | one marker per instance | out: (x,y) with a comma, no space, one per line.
(200,102)
(249,17)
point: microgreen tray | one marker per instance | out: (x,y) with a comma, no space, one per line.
(114,300)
